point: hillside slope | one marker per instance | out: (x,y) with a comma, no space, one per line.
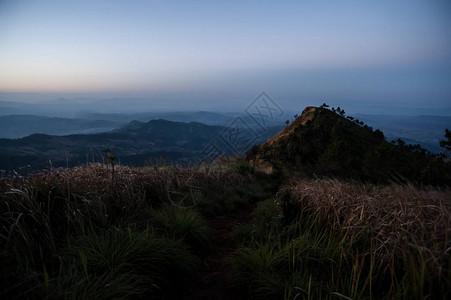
(322,142)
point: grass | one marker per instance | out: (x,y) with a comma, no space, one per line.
(85,232)
(159,263)
(331,239)
(184,224)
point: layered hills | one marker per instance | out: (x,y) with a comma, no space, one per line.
(132,144)
(18,126)
(320,142)
(137,143)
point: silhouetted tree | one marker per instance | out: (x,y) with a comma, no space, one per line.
(401,143)
(105,154)
(446,143)
(378,134)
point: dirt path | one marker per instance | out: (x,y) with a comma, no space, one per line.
(216,269)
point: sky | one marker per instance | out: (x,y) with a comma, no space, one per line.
(224,53)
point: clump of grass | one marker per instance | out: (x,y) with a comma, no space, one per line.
(266,218)
(254,269)
(284,262)
(184,224)
(160,263)
(71,282)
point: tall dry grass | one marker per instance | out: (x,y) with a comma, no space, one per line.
(329,239)
(43,216)
(99,179)
(400,230)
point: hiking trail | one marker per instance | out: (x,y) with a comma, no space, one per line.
(216,268)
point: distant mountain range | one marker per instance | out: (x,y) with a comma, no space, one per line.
(424,130)
(17,126)
(84,116)
(205,117)
(41,141)
(137,143)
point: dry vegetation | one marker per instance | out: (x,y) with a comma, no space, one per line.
(98,232)
(101,232)
(349,240)
(398,219)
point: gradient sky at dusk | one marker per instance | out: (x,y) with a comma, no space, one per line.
(212,51)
